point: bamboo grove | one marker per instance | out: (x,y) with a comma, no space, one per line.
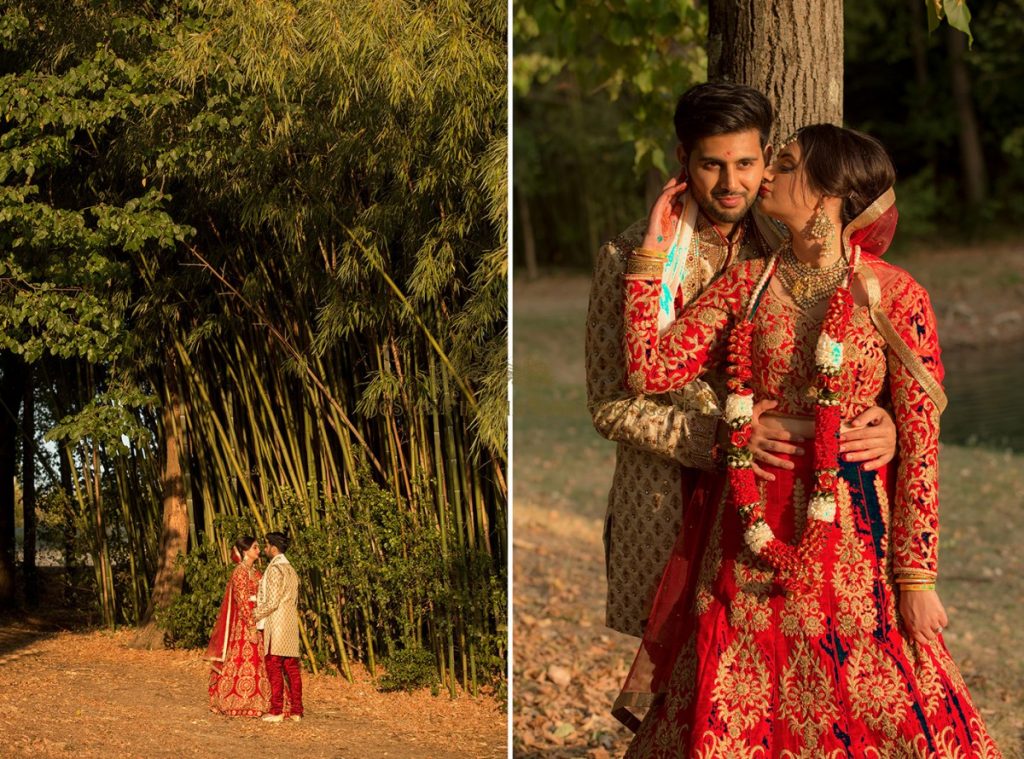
(253,278)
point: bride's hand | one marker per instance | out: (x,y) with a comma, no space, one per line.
(923,615)
(661,224)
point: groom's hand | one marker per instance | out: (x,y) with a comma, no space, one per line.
(870,438)
(766,442)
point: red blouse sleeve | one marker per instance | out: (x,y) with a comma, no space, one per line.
(241,590)
(656,365)
(915,522)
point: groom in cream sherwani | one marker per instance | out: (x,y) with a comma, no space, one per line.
(277,611)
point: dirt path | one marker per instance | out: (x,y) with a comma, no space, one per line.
(85,694)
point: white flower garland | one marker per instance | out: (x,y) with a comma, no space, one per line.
(758,535)
(828,356)
(822,507)
(738,409)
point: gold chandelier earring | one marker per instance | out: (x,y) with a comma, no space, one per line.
(822,227)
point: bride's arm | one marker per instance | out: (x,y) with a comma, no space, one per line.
(658,365)
(915,512)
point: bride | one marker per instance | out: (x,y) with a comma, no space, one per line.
(238,676)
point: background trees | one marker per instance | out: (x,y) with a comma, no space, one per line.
(255,256)
(575,185)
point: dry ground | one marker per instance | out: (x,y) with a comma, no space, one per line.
(85,694)
(568,666)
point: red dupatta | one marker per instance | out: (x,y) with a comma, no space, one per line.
(217,650)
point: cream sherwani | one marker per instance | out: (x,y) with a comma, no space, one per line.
(277,606)
(663,441)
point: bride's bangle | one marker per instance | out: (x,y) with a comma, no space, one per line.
(657,255)
(913,587)
(639,267)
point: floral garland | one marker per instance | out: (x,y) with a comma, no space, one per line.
(791,562)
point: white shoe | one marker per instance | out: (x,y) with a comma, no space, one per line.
(273,718)
(295,717)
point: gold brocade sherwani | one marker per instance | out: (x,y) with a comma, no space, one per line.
(277,603)
(662,439)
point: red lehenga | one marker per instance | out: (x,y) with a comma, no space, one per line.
(238,676)
(734,666)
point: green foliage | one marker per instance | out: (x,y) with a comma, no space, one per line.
(284,215)
(408,669)
(594,88)
(955,12)
(645,53)
(190,618)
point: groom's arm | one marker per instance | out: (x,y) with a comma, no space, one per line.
(652,423)
(270,594)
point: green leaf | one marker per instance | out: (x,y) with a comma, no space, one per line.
(959,17)
(934,14)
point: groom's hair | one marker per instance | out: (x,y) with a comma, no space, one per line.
(279,540)
(715,108)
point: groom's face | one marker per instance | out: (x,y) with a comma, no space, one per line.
(725,173)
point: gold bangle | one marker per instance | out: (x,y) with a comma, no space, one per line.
(919,575)
(914,588)
(644,268)
(658,255)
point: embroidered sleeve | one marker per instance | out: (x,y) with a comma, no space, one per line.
(683,430)
(915,530)
(241,590)
(273,591)
(656,365)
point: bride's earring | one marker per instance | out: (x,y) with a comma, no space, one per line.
(822,227)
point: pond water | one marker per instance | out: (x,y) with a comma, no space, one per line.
(986,403)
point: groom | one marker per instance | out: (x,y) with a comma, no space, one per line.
(277,610)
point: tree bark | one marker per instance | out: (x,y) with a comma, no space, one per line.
(791,50)
(972,160)
(71,578)
(12,388)
(529,238)
(28,492)
(174,531)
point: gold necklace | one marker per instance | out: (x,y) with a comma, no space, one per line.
(808,285)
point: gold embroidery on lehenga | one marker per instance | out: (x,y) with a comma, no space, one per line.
(875,688)
(684,676)
(929,683)
(750,609)
(712,560)
(802,613)
(725,747)
(852,575)
(742,691)
(806,698)
(949,668)
(902,747)
(985,748)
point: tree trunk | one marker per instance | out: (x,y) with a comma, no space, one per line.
(529,238)
(28,492)
(70,568)
(791,50)
(918,43)
(12,388)
(174,531)
(972,160)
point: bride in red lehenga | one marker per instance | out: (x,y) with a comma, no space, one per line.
(798,617)
(238,676)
